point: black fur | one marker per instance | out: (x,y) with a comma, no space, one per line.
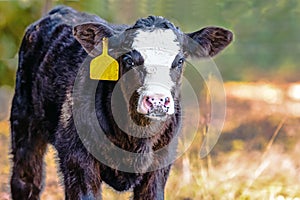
(153,22)
(50,59)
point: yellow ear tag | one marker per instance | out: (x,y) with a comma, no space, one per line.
(104,67)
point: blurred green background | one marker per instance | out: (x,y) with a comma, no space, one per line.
(266,46)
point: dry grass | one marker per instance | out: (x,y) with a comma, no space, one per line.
(256,157)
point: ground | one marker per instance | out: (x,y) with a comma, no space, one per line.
(256,156)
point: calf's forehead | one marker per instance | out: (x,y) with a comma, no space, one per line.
(158,47)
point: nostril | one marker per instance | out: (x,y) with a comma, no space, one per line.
(148,101)
(167,101)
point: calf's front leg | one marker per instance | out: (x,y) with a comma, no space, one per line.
(152,185)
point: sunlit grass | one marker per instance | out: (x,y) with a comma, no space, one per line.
(239,175)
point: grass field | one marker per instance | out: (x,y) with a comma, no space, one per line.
(256,157)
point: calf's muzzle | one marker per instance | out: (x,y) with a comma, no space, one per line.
(156,105)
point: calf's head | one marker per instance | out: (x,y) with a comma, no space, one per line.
(154,51)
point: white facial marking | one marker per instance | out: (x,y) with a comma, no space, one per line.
(159,49)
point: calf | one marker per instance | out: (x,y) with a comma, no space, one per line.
(121,132)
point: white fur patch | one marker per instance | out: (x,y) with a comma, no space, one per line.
(159,49)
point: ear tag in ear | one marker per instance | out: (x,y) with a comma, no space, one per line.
(104,67)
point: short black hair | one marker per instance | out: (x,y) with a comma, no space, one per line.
(152,22)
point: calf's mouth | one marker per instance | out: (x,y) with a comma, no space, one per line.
(155,104)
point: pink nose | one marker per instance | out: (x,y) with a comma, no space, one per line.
(153,102)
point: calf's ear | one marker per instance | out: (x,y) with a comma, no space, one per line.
(90,36)
(207,42)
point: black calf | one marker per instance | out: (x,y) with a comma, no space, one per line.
(50,59)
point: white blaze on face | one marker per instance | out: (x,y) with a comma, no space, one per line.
(159,49)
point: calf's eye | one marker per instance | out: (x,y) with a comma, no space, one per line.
(180,61)
(128,61)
